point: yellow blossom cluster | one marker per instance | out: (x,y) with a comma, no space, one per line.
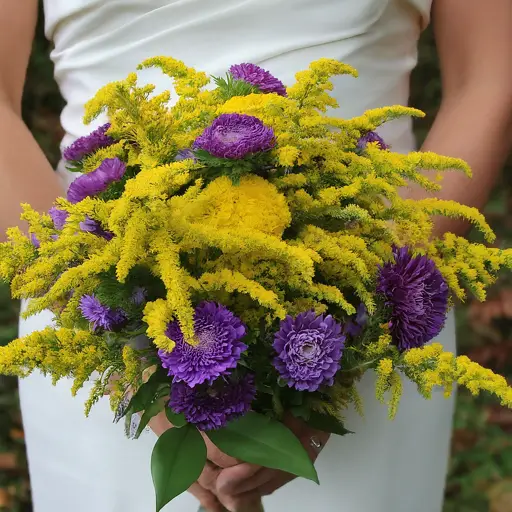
(310,233)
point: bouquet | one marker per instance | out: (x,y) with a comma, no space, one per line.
(242,255)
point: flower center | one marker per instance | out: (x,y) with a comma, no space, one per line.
(207,337)
(228,137)
(308,349)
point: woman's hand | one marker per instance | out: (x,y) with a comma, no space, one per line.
(236,483)
(238,486)
(205,489)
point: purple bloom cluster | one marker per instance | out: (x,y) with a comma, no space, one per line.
(235,136)
(309,350)
(35,241)
(218,350)
(259,77)
(354,326)
(94,227)
(58,217)
(371,137)
(211,407)
(109,171)
(418,296)
(184,154)
(85,145)
(101,317)
(139,295)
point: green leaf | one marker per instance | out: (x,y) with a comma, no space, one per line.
(152,410)
(146,393)
(260,440)
(327,423)
(177,460)
(177,420)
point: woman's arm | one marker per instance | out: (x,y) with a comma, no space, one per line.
(25,174)
(474,41)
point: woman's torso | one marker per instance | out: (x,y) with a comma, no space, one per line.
(97,41)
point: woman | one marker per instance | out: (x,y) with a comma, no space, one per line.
(82,465)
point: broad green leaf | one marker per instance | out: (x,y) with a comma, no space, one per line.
(177,420)
(260,440)
(145,393)
(177,460)
(327,423)
(151,410)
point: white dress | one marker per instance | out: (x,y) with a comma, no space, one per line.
(86,465)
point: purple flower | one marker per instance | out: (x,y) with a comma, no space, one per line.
(185,154)
(354,326)
(211,407)
(308,350)
(418,296)
(218,350)
(35,241)
(259,77)
(235,136)
(94,227)
(59,217)
(85,145)
(371,137)
(110,170)
(101,317)
(139,295)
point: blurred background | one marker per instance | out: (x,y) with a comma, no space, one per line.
(480,478)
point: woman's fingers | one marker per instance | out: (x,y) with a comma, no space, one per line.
(247,502)
(242,478)
(159,423)
(216,456)
(208,478)
(207,499)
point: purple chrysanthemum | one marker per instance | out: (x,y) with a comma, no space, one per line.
(218,350)
(211,407)
(85,145)
(418,296)
(58,217)
(259,77)
(235,136)
(355,325)
(110,170)
(371,137)
(94,227)
(101,317)
(309,349)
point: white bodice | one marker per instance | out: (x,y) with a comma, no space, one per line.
(97,41)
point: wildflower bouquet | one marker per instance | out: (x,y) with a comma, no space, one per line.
(240,256)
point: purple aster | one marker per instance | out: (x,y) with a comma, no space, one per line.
(235,136)
(218,347)
(354,326)
(110,170)
(139,295)
(94,227)
(101,317)
(308,350)
(85,145)
(211,407)
(58,216)
(35,241)
(371,137)
(185,154)
(259,77)
(417,294)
